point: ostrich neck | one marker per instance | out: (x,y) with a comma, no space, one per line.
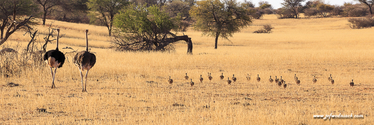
(58,35)
(86,42)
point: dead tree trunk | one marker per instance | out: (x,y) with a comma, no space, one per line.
(32,35)
(185,38)
(189,49)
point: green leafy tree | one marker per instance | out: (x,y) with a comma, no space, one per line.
(219,18)
(293,5)
(369,3)
(264,5)
(149,3)
(11,14)
(102,12)
(248,4)
(146,28)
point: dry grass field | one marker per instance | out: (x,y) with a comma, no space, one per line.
(132,87)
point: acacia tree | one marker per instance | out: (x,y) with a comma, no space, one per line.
(219,18)
(11,15)
(248,4)
(264,5)
(146,28)
(103,11)
(179,8)
(324,9)
(47,6)
(293,5)
(72,11)
(369,3)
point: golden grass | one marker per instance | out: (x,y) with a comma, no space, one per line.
(132,88)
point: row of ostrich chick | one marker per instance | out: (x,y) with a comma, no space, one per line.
(279,82)
(84,60)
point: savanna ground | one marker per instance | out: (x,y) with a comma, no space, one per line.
(132,87)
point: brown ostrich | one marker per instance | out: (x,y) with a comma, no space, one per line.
(352,83)
(298,82)
(192,83)
(233,78)
(228,80)
(281,80)
(279,83)
(201,78)
(314,79)
(84,60)
(186,77)
(330,78)
(170,80)
(276,79)
(270,80)
(210,76)
(222,76)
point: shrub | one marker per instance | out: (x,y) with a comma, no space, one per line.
(338,10)
(357,12)
(260,31)
(13,63)
(324,9)
(354,10)
(268,11)
(358,23)
(267,29)
(310,12)
(256,13)
(284,13)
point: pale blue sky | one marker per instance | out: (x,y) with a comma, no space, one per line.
(277,3)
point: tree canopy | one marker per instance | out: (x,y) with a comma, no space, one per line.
(181,9)
(324,9)
(293,5)
(103,11)
(11,15)
(47,5)
(264,4)
(219,18)
(145,28)
(369,3)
